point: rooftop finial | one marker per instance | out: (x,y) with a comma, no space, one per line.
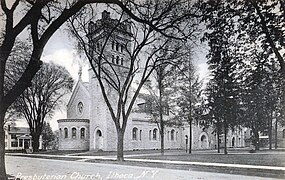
(80,72)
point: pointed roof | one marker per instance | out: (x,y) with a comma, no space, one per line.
(79,85)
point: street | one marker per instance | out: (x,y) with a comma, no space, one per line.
(35,168)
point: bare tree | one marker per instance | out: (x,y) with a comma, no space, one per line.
(40,19)
(142,49)
(39,100)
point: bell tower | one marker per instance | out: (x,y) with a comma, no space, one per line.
(110,42)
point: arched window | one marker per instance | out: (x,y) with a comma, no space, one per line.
(135,133)
(117,60)
(140,135)
(73,131)
(117,47)
(168,135)
(99,133)
(82,133)
(154,134)
(60,132)
(283,133)
(122,47)
(113,45)
(149,135)
(203,138)
(172,135)
(65,133)
(176,136)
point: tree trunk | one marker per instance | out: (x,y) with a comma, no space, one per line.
(160,88)
(225,138)
(36,142)
(190,136)
(162,141)
(218,135)
(256,138)
(276,123)
(161,128)
(270,133)
(120,145)
(2,148)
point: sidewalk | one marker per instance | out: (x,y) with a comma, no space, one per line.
(174,162)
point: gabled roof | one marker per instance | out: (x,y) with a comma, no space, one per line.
(79,85)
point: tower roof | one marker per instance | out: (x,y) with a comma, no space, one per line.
(106,23)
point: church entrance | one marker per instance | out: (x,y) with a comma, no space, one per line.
(98,140)
(204,142)
(233,142)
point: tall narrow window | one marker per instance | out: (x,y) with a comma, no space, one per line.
(135,131)
(65,133)
(122,62)
(82,133)
(60,132)
(113,58)
(117,60)
(172,135)
(140,135)
(149,135)
(154,134)
(176,136)
(117,47)
(122,47)
(284,133)
(168,135)
(113,45)
(73,130)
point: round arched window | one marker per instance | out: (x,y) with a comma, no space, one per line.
(80,107)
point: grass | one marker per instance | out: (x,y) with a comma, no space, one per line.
(60,152)
(248,159)
(226,170)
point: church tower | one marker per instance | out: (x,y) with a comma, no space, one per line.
(110,43)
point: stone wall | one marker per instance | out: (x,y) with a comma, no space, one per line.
(80,94)
(71,142)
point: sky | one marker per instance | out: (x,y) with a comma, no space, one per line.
(60,50)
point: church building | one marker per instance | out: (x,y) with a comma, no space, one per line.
(89,125)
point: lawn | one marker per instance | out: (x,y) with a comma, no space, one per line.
(248,159)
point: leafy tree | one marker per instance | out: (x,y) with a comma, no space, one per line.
(48,136)
(188,99)
(261,96)
(223,91)
(257,28)
(257,21)
(162,88)
(158,101)
(212,111)
(39,100)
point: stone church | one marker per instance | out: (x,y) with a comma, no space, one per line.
(89,126)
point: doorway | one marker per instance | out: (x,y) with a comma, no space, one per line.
(98,140)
